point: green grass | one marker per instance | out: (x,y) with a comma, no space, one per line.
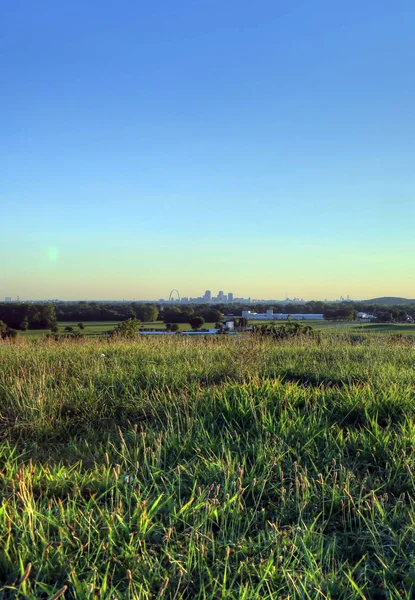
(221,468)
(390,327)
(366,328)
(97,328)
(352,327)
(92,328)
(33,334)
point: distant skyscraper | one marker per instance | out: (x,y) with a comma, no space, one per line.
(8,299)
(208,295)
(230,297)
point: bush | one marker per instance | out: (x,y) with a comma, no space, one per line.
(127,329)
(196,322)
(24,325)
(6,331)
(283,332)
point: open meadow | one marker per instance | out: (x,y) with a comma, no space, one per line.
(100,328)
(208,468)
(340,327)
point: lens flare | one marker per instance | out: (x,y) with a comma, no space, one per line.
(53,254)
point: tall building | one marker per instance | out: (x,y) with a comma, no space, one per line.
(230,297)
(208,296)
(8,299)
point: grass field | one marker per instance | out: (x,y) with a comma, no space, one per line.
(96,328)
(221,468)
(352,326)
(91,328)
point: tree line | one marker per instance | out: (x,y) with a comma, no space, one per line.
(144,312)
(21,316)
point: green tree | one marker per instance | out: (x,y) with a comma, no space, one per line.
(145,312)
(196,322)
(127,329)
(174,315)
(81,325)
(47,316)
(211,315)
(174,327)
(24,325)
(68,328)
(242,322)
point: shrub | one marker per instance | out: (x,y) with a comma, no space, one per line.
(6,331)
(127,329)
(283,332)
(24,325)
(196,322)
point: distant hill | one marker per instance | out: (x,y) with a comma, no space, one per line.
(391,300)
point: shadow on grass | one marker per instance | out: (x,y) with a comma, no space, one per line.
(315,380)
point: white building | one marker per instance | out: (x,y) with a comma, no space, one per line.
(271,316)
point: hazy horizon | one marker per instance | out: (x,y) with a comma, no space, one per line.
(195,296)
(260,149)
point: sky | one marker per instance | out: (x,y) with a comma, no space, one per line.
(265,148)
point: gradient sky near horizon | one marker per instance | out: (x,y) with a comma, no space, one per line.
(265,148)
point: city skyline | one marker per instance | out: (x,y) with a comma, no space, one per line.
(207,298)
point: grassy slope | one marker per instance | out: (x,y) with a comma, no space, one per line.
(226,468)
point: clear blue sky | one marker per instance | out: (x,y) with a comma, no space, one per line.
(260,147)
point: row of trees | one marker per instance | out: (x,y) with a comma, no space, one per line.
(23,316)
(121,311)
(130,327)
(173,314)
(346,313)
(28,316)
